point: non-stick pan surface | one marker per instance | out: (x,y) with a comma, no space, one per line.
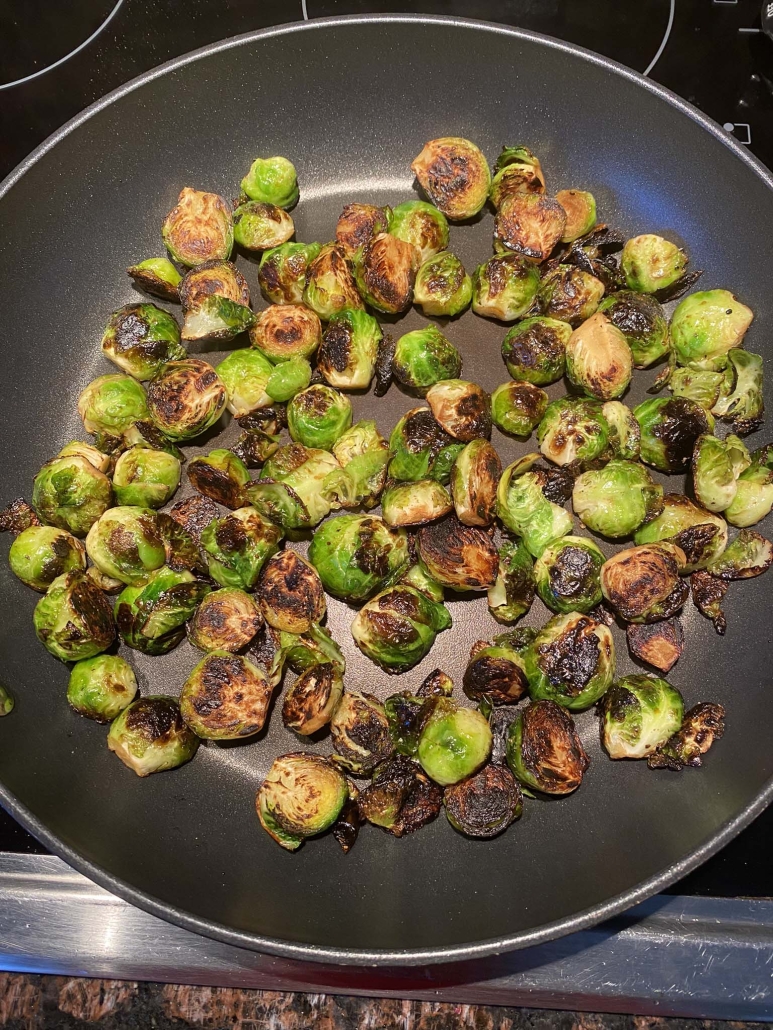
(351,101)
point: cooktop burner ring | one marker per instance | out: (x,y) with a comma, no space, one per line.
(663,42)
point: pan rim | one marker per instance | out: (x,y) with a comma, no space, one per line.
(415,956)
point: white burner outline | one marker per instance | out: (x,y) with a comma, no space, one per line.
(304,11)
(72,53)
(662,46)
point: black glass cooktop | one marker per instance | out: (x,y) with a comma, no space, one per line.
(56,58)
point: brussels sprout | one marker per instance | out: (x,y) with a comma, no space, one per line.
(291,593)
(225,697)
(71,494)
(18,516)
(749,555)
(318,416)
(696,385)
(400,798)
(660,644)
(186,398)
(495,673)
(744,406)
(701,535)
(157,276)
(753,498)
(313,698)
(140,434)
(282,271)
(140,339)
(415,504)
(544,751)
(363,454)
(624,430)
(670,427)
(109,406)
(385,271)
(462,409)
(261,226)
(642,583)
(245,375)
(458,556)
(125,543)
(571,661)
(513,592)
(573,430)
(518,407)
(101,687)
(305,651)
(359,223)
(198,228)
(713,476)
(570,294)
(40,554)
(650,263)
(525,510)
(455,176)
(215,299)
(406,714)
(330,287)
(707,593)
(442,286)
(272,180)
(346,828)
(301,797)
(74,620)
(150,736)
(617,499)
(397,628)
(347,355)
(293,488)
(226,620)
(424,357)
(567,574)
(93,455)
(517,171)
(220,475)
(484,805)
(356,555)
(706,326)
(360,733)
(237,547)
(420,224)
(151,614)
(535,350)
(418,446)
(642,320)
(639,714)
(504,287)
(474,481)
(701,726)
(454,743)
(580,208)
(145,477)
(530,224)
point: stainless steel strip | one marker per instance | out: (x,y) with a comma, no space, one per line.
(700,957)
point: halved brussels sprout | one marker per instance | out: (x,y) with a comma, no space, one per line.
(215,299)
(385,271)
(397,628)
(71,493)
(504,287)
(226,620)
(140,339)
(237,547)
(150,736)
(318,416)
(220,475)
(669,428)
(513,593)
(109,406)
(291,593)
(145,477)
(743,403)
(642,583)
(261,226)
(658,643)
(598,359)
(442,286)
(650,263)
(356,555)
(518,407)
(293,490)
(544,751)
(580,207)
(458,556)
(40,554)
(272,180)
(286,331)
(282,272)
(363,454)
(454,743)
(749,555)
(495,673)
(485,804)
(349,348)
(706,326)
(455,176)
(330,286)
(225,697)
(157,276)
(125,543)
(571,661)
(400,798)
(535,350)
(701,726)
(707,593)
(573,430)
(461,408)
(151,614)
(420,224)
(302,796)
(74,620)
(360,733)
(424,357)
(624,430)
(696,385)
(753,498)
(524,509)
(359,223)
(639,714)
(474,481)
(419,447)
(288,378)
(713,477)
(701,535)
(642,321)
(570,294)
(568,576)
(101,687)
(617,499)
(198,228)
(245,375)
(186,398)
(517,170)
(416,503)
(530,224)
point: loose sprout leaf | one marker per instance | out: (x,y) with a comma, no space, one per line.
(749,555)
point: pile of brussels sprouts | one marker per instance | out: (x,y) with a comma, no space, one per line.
(584,304)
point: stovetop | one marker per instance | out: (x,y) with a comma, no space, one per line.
(57,58)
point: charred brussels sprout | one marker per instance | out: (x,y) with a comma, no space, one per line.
(302,796)
(424,357)
(221,476)
(422,225)
(617,499)
(462,409)
(291,593)
(363,454)
(355,555)
(749,555)
(474,481)
(311,701)
(215,299)
(744,404)
(518,408)
(458,556)
(400,798)
(109,406)
(319,416)
(40,554)
(525,510)
(71,494)
(73,620)
(415,504)
(347,355)
(705,326)
(544,751)
(419,448)
(570,294)
(642,583)
(624,430)
(701,726)
(272,180)
(442,286)
(385,271)
(186,398)
(535,350)
(571,661)
(397,627)
(504,287)
(495,673)
(639,714)
(642,320)
(330,287)
(126,543)
(101,687)
(753,497)
(573,430)
(151,615)
(650,263)
(245,374)
(225,697)
(140,338)
(237,547)
(580,208)
(517,170)
(150,736)
(282,272)
(485,804)
(598,359)
(669,428)
(294,488)
(454,743)
(568,575)
(198,228)
(699,533)
(360,732)
(145,477)
(455,176)
(512,594)
(359,223)
(714,477)
(226,620)
(286,331)
(157,276)
(260,226)
(529,224)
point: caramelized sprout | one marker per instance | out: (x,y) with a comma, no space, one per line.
(356,555)
(544,751)
(700,534)
(513,592)
(360,732)
(157,276)
(517,171)
(151,614)
(497,674)
(420,224)
(291,593)
(535,350)
(573,430)
(571,661)
(40,554)
(302,796)
(474,481)
(140,339)
(226,620)
(524,509)
(455,176)
(749,555)
(424,357)
(639,714)
(642,583)
(238,545)
(282,272)
(580,208)
(598,359)
(458,556)
(570,294)
(225,697)
(461,408)
(347,355)
(318,416)
(220,475)
(397,628)
(285,331)
(670,427)
(359,223)
(529,224)
(442,286)
(198,228)
(385,271)
(330,287)
(567,574)
(150,736)
(294,490)
(260,226)
(186,398)
(415,504)
(504,287)
(642,320)
(126,543)
(73,620)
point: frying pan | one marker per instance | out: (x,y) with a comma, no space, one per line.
(351,101)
